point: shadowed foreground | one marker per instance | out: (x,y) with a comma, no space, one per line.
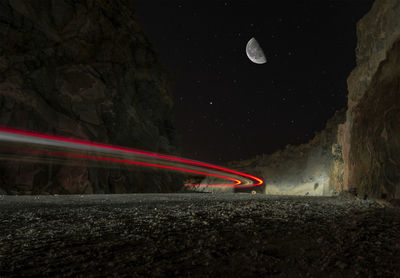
(197,235)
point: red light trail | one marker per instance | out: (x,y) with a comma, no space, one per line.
(42,147)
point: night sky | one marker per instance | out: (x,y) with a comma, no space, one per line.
(228,108)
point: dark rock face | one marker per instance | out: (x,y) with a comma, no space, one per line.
(82,69)
(371,134)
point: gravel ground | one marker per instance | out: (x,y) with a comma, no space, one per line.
(197,235)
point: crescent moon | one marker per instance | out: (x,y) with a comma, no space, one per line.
(255,52)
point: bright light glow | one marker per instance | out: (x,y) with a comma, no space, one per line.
(31,143)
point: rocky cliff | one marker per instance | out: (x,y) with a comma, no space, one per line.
(370,137)
(359,153)
(83,69)
(308,169)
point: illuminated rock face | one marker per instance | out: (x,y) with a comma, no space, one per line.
(370,137)
(82,69)
(361,153)
(308,169)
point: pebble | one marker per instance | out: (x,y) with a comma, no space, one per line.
(178,234)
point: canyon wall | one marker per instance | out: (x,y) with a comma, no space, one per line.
(307,169)
(359,153)
(370,137)
(82,69)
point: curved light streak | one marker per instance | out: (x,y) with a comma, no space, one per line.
(33,146)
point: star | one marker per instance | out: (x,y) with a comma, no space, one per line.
(271,99)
